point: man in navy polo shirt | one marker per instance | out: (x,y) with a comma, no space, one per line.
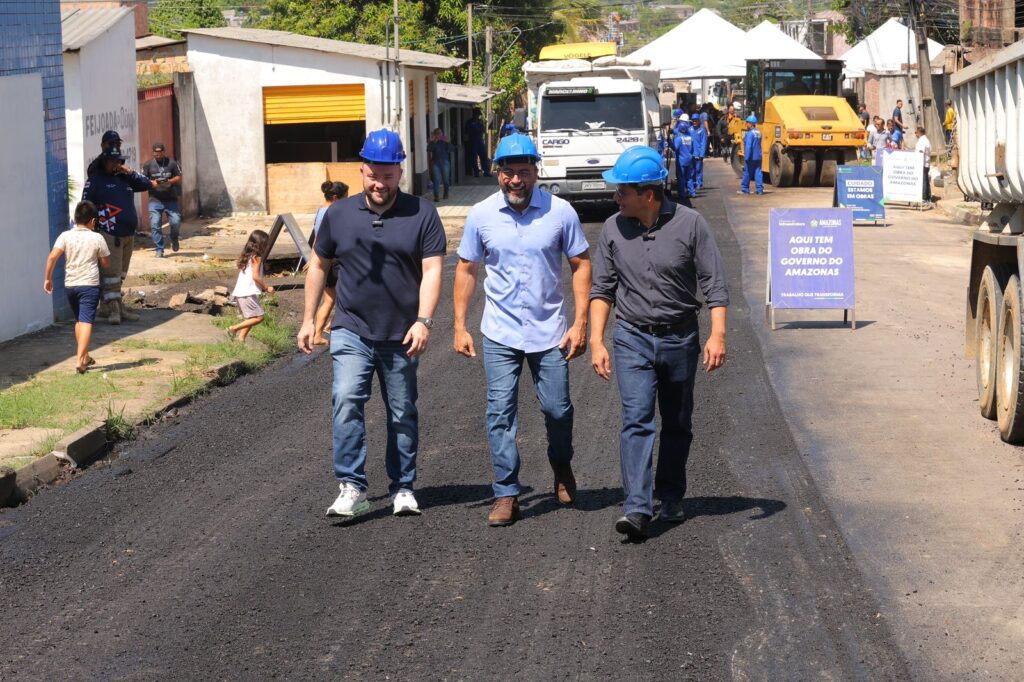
(521,234)
(389,247)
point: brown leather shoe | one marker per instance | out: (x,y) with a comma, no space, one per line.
(505,512)
(565,483)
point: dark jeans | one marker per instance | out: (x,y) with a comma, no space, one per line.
(655,368)
(478,153)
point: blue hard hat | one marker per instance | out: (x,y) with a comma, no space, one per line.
(676,113)
(684,126)
(637,165)
(516,145)
(752,119)
(383,146)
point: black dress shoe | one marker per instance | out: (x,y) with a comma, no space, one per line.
(633,526)
(672,512)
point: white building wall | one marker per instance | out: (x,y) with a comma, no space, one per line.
(24,306)
(229,80)
(100,94)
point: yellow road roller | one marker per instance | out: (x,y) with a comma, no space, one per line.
(807,128)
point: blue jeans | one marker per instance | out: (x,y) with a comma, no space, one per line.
(355,360)
(156,209)
(752,171)
(503,367)
(651,367)
(441,174)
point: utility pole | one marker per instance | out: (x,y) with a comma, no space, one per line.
(398,77)
(469,40)
(488,47)
(929,116)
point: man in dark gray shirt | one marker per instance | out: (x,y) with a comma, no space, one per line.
(651,257)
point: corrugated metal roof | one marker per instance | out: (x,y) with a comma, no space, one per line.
(464,94)
(422,60)
(79,27)
(149,42)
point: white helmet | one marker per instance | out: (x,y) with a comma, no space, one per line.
(684,116)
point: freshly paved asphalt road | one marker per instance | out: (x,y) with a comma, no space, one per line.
(202,550)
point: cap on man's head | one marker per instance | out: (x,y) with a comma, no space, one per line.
(114,154)
(110,136)
(158,146)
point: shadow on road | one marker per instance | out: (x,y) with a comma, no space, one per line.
(721,506)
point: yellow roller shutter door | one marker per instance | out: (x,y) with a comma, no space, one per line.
(313,104)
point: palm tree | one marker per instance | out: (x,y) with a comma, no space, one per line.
(577,19)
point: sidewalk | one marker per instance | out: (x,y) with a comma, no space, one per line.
(144,365)
(926,494)
(211,244)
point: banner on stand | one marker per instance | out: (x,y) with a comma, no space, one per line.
(810,258)
(903,177)
(859,188)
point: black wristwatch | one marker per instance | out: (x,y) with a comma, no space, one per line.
(427,322)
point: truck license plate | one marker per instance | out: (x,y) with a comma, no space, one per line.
(599,184)
(826,137)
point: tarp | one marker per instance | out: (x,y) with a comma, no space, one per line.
(703,46)
(767,41)
(886,49)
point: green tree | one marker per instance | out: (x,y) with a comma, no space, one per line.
(168,17)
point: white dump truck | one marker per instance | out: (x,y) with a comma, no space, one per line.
(990,125)
(583,114)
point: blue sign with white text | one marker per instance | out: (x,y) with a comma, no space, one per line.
(859,188)
(811,254)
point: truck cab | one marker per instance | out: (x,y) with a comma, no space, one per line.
(583,115)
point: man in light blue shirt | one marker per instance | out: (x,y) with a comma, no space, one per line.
(520,235)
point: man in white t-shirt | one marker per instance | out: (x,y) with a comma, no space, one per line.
(84,251)
(924,146)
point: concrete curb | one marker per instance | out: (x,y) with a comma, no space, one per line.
(84,446)
(88,444)
(29,479)
(960,215)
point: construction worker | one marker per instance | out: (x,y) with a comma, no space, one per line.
(949,123)
(700,149)
(682,145)
(752,158)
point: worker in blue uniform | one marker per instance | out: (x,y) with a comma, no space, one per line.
(700,150)
(682,145)
(752,158)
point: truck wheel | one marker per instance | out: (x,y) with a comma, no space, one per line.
(736,160)
(829,162)
(990,303)
(808,169)
(1010,402)
(781,168)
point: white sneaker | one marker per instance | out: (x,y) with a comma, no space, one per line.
(405,504)
(351,502)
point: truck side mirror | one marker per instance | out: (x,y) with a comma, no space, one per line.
(666,115)
(519,118)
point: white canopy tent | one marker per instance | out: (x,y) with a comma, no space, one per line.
(889,48)
(767,41)
(703,46)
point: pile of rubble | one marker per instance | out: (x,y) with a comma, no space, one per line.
(208,301)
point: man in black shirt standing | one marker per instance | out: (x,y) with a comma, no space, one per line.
(651,257)
(166,176)
(389,247)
